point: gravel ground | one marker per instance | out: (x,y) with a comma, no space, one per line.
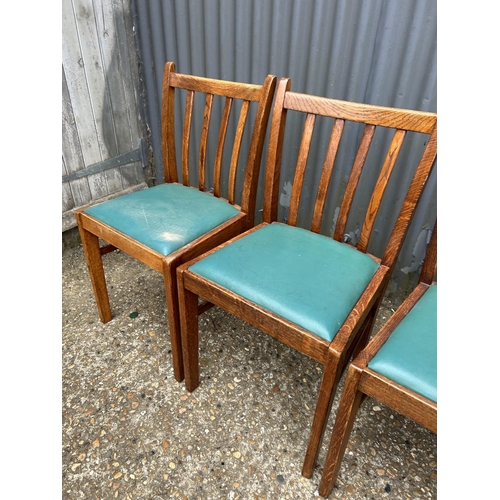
(130,431)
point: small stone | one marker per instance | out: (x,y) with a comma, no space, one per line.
(171,465)
(96,443)
(117,475)
(182,410)
(75,466)
(165,445)
(82,457)
(231,386)
(280,478)
(237,454)
(380,472)
(377,408)
(276,388)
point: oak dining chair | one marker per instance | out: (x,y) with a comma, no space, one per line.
(168,224)
(398,368)
(313,292)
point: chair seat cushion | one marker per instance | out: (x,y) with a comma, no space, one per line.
(309,279)
(164,217)
(409,356)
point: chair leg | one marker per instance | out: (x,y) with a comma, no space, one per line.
(346,414)
(170,279)
(188,304)
(90,243)
(331,376)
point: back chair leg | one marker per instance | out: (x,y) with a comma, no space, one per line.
(366,330)
(174,323)
(188,303)
(346,415)
(90,244)
(331,376)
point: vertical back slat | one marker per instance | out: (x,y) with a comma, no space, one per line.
(413,195)
(167,129)
(220,145)
(430,261)
(203,142)
(352,183)
(236,151)
(274,152)
(378,193)
(298,180)
(186,136)
(326,174)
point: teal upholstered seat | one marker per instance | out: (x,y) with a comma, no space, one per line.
(409,357)
(164,217)
(309,279)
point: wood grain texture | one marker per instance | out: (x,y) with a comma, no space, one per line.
(362,382)
(240,129)
(378,193)
(352,183)
(93,229)
(415,121)
(220,145)
(300,169)
(326,174)
(354,333)
(186,136)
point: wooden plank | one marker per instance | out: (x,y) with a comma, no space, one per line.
(125,30)
(78,89)
(382,116)
(72,151)
(248,92)
(106,12)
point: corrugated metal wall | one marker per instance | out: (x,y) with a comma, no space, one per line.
(373,51)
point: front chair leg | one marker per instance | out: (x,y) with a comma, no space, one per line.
(171,295)
(346,414)
(188,305)
(90,243)
(329,382)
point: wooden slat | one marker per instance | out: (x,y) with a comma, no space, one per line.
(301,168)
(378,193)
(168,126)
(400,399)
(416,121)
(186,136)
(352,183)
(274,152)
(326,175)
(247,92)
(236,151)
(429,267)
(220,145)
(203,142)
(413,195)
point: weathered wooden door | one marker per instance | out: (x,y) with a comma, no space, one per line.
(102,134)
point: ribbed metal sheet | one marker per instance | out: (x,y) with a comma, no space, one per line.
(373,51)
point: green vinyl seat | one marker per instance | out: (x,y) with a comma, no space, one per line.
(409,356)
(308,279)
(165,217)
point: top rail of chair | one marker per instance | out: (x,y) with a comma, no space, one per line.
(236,90)
(415,121)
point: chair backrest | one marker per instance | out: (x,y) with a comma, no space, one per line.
(372,117)
(228,91)
(429,267)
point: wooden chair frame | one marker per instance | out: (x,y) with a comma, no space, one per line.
(355,331)
(92,229)
(362,382)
